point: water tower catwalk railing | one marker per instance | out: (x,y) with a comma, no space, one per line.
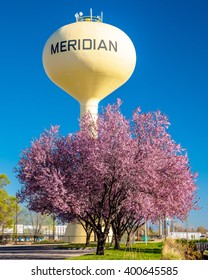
(79,17)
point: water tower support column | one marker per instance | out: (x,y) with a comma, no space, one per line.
(91,105)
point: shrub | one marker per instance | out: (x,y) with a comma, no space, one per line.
(180,250)
(191,253)
(173,250)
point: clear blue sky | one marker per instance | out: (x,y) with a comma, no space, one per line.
(171,40)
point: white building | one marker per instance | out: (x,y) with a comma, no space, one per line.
(185,235)
(30,230)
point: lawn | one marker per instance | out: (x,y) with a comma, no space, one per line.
(138,251)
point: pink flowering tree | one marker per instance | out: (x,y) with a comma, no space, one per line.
(166,183)
(166,175)
(116,172)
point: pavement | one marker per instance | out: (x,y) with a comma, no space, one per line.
(39,252)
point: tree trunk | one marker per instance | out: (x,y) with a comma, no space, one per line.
(117,239)
(88,235)
(128,239)
(101,243)
(117,235)
(112,240)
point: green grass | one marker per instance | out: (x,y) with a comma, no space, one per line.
(139,251)
(48,242)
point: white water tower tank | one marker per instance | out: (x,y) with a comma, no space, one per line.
(89,60)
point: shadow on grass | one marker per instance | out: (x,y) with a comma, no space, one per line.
(144,250)
(135,252)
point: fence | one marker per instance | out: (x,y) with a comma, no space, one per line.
(27,238)
(201,246)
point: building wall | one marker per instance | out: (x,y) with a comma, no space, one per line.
(75,233)
(29,229)
(180,235)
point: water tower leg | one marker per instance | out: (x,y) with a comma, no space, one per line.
(89,106)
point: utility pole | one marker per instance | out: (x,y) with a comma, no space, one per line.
(54,228)
(145,232)
(165,227)
(16,219)
(187,227)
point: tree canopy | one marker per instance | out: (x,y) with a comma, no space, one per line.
(7,205)
(3,181)
(112,172)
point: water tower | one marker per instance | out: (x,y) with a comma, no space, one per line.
(89,59)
